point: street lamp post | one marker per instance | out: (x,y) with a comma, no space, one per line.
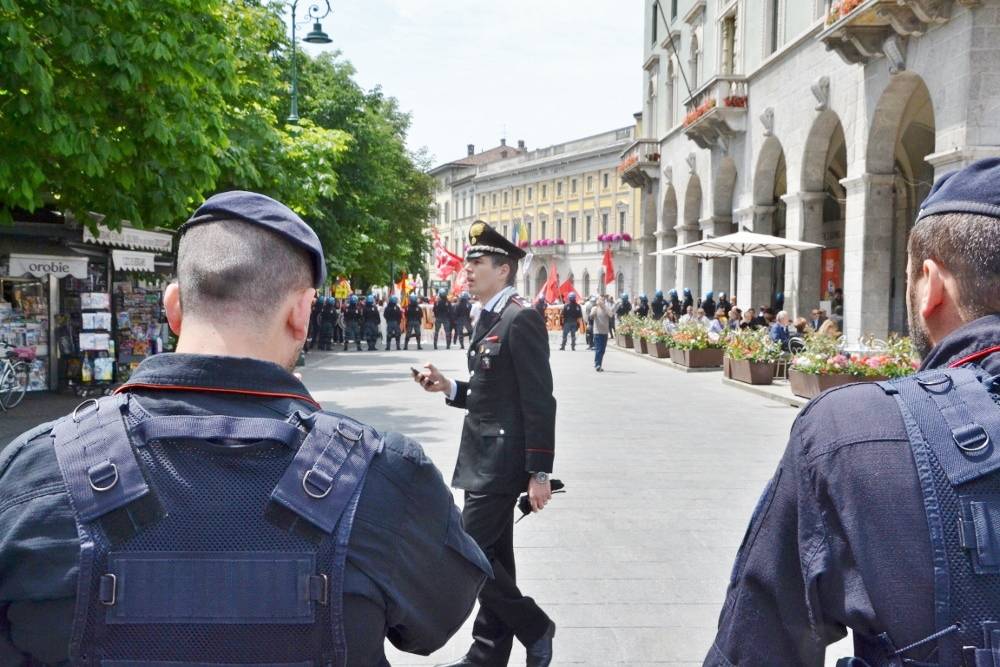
(315,36)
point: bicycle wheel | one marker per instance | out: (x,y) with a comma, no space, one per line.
(13,384)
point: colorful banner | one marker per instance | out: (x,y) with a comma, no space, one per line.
(831,272)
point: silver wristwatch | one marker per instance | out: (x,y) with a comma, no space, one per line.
(540,477)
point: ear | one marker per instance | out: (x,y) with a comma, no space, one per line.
(172,306)
(301,311)
(931,289)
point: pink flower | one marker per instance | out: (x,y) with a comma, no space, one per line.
(626,237)
(873,362)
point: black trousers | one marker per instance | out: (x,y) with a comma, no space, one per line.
(504,612)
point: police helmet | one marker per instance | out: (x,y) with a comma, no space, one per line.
(442,293)
(370,299)
(393,299)
(658,294)
(353,299)
(643,297)
(708,296)
(465,296)
(673,293)
(687,291)
(572,296)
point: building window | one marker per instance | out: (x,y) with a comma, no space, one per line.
(446,220)
(774,26)
(655,21)
(605,183)
(545,229)
(545,191)
(505,230)
(494,199)
(558,228)
(572,229)
(671,80)
(621,222)
(729,44)
(673,9)
(572,187)
(529,231)
(463,207)
(590,184)
(559,189)
(529,193)
(604,223)
(483,205)
(517,196)
(693,62)
(505,198)
(586,282)
(588,228)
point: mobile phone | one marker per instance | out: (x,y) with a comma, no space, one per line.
(415,372)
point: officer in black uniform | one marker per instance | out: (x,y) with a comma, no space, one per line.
(571,316)
(393,316)
(371,321)
(463,320)
(353,317)
(659,305)
(414,320)
(675,304)
(508,442)
(881,515)
(442,319)
(642,310)
(181,522)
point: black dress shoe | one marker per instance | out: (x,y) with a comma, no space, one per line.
(540,653)
(461,662)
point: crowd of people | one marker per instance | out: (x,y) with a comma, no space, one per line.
(372,319)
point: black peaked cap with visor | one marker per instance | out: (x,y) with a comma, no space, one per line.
(484,240)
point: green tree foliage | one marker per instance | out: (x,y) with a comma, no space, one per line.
(139,110)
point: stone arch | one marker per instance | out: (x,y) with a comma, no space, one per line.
(666,237)
(692,201)
(770,185)
(771,157)
(724,188)
(887,123)
(717,273)
(689,231)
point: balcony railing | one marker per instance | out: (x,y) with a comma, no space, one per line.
(862,30)
(717,111)
(640,163)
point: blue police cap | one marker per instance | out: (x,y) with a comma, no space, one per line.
(975,189)
(258,209)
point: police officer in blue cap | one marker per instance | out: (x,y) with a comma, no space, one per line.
(353,316)
(210,513)
(371,320)
(884,514)
(442,318)
(463,320)
(393,318)
(659,305)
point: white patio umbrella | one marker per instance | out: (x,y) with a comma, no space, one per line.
(744,243)
(698,253)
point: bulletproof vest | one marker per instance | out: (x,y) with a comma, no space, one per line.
(210,541)
(952,417)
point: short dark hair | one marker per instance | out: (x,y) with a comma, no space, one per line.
(968,245)
(500,260)
(230,268)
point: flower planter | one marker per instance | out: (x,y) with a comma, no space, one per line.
(659,350)
(642,346)
(708,358)
(625,340)
(751,372)
(810,385)
(727,370)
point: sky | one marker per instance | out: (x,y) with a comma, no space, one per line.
(545,71)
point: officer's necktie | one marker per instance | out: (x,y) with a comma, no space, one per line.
(486,320)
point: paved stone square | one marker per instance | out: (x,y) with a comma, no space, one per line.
(662,471)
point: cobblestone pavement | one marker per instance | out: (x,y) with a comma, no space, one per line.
(662,471)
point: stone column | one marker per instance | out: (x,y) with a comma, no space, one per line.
(687,267)
(666,265)
(867,242)
(803,270)
(754,284)
(716,272)
(648,244)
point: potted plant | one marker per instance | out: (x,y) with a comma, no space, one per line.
(822,365)
(750,356)
(660,342)
(692,347)
(642,333)
(624,330)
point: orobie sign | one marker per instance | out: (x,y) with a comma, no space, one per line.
(44,265)
(130,260)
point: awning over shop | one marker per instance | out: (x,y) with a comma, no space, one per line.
(127,237)
(130,260)
(43,265)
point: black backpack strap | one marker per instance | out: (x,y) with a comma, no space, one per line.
(96,458)
(329,467)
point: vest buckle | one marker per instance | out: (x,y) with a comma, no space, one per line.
(102,476)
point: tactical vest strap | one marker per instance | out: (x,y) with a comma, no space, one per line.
(330,465)
(96,459)
(159,663)
(215,427)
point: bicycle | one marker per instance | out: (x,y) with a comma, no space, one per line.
(14,377)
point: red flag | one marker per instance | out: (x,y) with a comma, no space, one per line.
(566,288)
(445,261)
(609,267)
(552,285)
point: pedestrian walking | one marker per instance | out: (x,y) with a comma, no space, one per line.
(393,317)
(572,315)
(508,443)
(414,322)
(602,314)
(588,316)
(881,517)
(203,514)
